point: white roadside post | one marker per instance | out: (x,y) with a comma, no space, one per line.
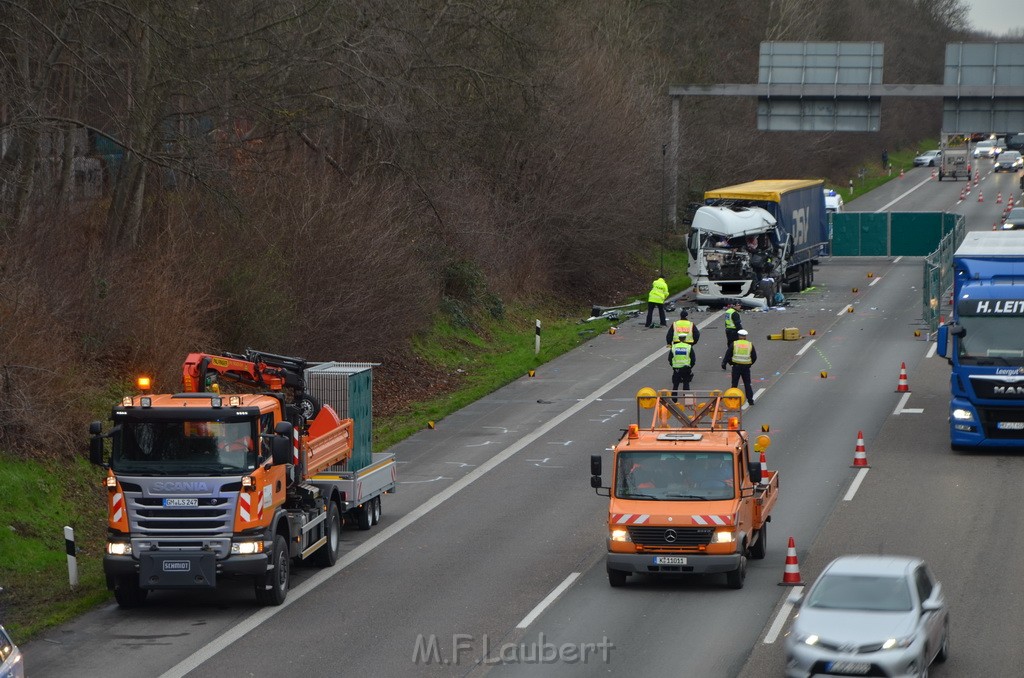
(69,546)
(536,339)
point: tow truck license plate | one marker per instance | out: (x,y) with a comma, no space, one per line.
(171,503)
(669,560)
(1011,425)
(848,667)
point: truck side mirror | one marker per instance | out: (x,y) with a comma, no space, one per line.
(595,464)
(281,449)
(942,341)
(96,444)
(284,428)
(754,469)
(957,330)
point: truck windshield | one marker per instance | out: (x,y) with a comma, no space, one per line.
(184,448)
(660,476)
(992,340)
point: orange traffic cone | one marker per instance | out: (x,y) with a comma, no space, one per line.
(764,469)
(999,198)
(963,193)
(902,386)
(981,196)
(901,173)
(933,174)
(860,457)
(791,575)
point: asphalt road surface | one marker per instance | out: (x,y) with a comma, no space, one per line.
(490,558)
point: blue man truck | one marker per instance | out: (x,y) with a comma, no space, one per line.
(750,242)
(987,333)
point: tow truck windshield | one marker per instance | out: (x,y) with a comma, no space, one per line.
(184,447)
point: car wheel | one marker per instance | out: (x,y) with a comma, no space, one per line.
(943,653)
(617,578)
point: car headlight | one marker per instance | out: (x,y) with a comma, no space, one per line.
(809,639)
(246,548)
(960,414)
(620,534)
(724,537)
(119,548)
(898,643)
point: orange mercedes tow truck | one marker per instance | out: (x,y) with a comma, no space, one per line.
(686,496)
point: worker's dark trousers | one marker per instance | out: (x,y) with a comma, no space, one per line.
(743,372)
(682,375)
(730,336)
(650,313)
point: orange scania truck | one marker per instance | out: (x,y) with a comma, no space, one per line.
(204,485)
(687,495)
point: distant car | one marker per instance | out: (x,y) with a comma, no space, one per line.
(870,616)
(928,159)
(987,149)
(1009,161)
(833,201)
(978,136)
(11,664)
(1014,220)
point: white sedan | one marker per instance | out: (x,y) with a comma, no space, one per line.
(928,159)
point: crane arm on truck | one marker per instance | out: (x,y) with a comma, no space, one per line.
(252,369)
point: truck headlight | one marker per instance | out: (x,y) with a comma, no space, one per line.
(961,414)
(245,548)
(620,534)
(119,548)
(724,537)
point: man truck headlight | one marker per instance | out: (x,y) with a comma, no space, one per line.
(960,414)
(620,534)
(246,548)
(119,548)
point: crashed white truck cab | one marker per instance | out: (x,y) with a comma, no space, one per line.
(732,257)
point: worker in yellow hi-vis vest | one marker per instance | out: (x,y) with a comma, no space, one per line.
(741,355)
(657,297)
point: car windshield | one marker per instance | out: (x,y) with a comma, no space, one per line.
(1016,214)
(1008,156)
(986,144)
(184,447)
(659,476)
(875,593)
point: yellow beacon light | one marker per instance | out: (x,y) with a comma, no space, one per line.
(144,383)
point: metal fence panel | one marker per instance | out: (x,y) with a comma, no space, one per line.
(915,234)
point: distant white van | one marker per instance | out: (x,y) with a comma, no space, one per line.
(833,201)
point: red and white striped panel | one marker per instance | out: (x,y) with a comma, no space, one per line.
(712,520)
(117,507)
(259,502)
(243,506)
(295,447)
(630,518)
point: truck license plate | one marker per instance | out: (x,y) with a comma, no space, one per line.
(1011,425)
(669,560)
(172,503)
(848,667)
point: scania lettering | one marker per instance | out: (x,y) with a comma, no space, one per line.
(983,341)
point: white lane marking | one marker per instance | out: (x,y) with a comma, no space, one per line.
(244,627)
(861,474)
(872,283)
(781,617)
(558,590)
(906,410)
(845,309)
(806,346)
(885,207)
(931,351)
(757,396)
(897,259)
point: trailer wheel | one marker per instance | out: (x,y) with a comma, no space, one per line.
(364,516)
(328,553)
(272,588)
(128,593)
(617,578)
(757,551)
(376,510)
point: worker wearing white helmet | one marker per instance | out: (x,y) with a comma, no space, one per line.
(741,355)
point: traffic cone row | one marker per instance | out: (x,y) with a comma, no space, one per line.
(902,386)
(791,573)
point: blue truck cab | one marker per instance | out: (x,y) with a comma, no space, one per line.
(987,334)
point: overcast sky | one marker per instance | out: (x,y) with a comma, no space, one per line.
(995,16)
